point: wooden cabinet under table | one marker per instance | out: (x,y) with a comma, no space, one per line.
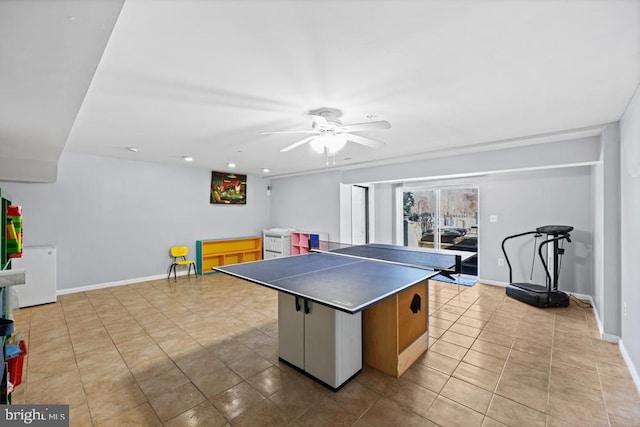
(395,330)
(219,252)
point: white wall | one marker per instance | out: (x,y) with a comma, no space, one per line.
(630,233)
(113,220)
(308,203)
(547,155)
(382,213)
(523,201)
(606,223)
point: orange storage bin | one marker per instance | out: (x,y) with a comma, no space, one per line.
(15,365)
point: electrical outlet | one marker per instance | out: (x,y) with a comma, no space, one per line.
(500,262)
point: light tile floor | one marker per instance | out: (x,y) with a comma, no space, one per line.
(204,352)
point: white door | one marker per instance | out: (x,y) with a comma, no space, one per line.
(358,215)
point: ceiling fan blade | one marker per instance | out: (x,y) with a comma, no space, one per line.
(297,144)
(364,141)
(289,131)
(357,127)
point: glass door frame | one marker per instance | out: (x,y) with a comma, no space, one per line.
(438,222)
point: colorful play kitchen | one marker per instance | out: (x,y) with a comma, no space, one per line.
(13,348)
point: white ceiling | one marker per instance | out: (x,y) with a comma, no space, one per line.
(204,78)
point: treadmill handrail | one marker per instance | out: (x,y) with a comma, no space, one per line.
(553,283)
(504,251)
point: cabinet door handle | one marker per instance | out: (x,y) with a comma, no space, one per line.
(307,310)
(297,304)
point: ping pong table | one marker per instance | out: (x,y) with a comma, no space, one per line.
(340,304)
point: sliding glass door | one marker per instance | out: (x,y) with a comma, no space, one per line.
(443,218)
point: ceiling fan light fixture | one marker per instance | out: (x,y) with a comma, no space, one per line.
(332,142)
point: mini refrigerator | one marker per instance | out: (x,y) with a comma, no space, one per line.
(39,263)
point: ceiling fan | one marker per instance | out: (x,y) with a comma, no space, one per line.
(329,135)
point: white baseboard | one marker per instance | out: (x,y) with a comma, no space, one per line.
(112,284)
(493,282)
(603,335)
(632,368)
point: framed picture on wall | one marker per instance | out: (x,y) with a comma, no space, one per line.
(228,189)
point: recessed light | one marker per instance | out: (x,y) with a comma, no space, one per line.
(132,149)
(266,170)
(231,165)
(187,158)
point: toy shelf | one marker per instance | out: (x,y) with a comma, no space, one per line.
(219,252)
(300,241)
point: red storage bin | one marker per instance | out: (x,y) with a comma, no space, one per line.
(15,365)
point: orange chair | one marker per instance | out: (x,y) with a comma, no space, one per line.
(179,254)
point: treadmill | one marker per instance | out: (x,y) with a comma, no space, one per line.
(538,295)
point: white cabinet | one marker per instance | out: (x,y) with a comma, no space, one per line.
(40,285)
(323,342)
(276,242)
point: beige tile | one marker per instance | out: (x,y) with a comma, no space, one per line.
(386,413)
(471,322)
(217,381)
(249,366)
(484,361)
(412,396)
(514,414)
(490,422)
(271,380)
(142,416)
(577,412)
(439,362)
(457,339)
(445,315)
(496,338)
(202,415)
(108,349)
(236,400)
(106,406)
(60,389)
(446,412)
(526,375)
(449,349)
(535,361)
(327,412)
(491,349)
(160,384)
(476,376)
(263,414)
(176,401)
(426,377)
(523,393)
(439,323)
(109,383)
(296,397)
(562,372)
(463,329)
(580,359)
(435,333)
(374,380)
(618,370)
(355,398)
(467,394)
(198,364)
